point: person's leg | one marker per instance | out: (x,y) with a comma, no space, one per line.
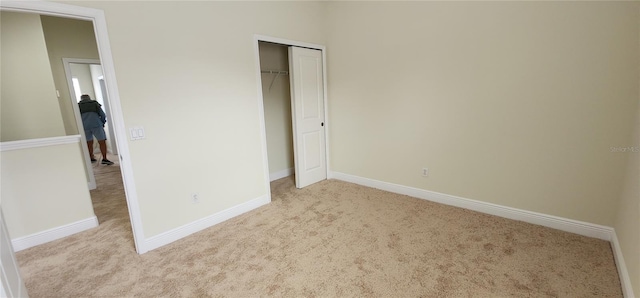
(103,148)
(89,135)
(102,141)
(90,146)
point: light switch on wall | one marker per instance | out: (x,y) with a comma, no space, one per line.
(136,133)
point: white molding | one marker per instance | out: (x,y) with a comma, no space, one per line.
(79,61)
(288,42)
(108,70)
(555,222)
(54,233)
(35,143)
(261,117)
(50,8)
(327,123)
(104,48)
(281,174)
(203,223)
(625,280)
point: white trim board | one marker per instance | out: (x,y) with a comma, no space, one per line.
(555,222)
(54,233)
(625,280)
(41,142)
(281,174)
(203,223)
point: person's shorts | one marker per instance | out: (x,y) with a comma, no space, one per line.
(97,132)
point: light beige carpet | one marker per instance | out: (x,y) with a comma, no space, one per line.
(331,239)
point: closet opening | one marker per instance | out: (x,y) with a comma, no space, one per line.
(276,97)
(293,104)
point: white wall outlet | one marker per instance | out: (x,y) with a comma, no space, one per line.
(195,198)
(136,133)
(425,172)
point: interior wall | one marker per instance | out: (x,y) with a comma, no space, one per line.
(627,223)
(28,101)
(192,84)
(67,38)
(83,73)
(277,107)
(511,103)
(60,198)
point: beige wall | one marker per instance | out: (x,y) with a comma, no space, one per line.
(68,38)
(29,107)
(627,222)
(515,104)
(277,107)
(83,73)
(40,192)
(191,82)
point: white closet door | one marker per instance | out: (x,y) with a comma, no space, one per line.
(307,105)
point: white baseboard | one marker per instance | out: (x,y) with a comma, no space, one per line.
(281,174)
(625,280)
(559,223)
(54,234)
(201,224)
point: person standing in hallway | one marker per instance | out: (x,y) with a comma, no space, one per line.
(93,120)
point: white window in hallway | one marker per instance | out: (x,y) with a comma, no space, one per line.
(76,88)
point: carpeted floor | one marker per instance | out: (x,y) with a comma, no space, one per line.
(331,239)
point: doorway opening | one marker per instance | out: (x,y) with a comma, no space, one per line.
(76,77)
(97,29)
(293,110)
(85,76)
(276,93)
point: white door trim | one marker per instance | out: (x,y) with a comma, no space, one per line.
(76,114)
(263,130)
(104,48)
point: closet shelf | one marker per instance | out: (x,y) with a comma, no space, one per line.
(278,72)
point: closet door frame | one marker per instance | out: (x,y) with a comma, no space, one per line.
(256,40)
